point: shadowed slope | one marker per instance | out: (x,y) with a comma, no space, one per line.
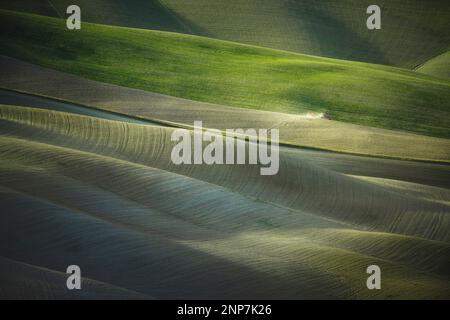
(87,190)
(438,66)
(298,185)
(27,282)
(413,31)
(150,14)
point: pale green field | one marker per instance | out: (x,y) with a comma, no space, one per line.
(299,130)
(105,194)
(232,74)
(88,190)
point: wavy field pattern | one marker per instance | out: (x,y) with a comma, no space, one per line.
(325,28)
(294,129)
(233,74)
(105,194)
(87,116)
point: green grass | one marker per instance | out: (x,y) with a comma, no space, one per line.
(150,14)
(438,66)
(232,74)
(413,31)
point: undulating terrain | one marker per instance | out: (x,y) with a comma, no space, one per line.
(438,66)
(413,31)
(233,74)
(116,205)
(86,175)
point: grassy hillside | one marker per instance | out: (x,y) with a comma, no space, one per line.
(304,130)
(232,74)
(438,66)
(72,186)
(413,31)
(150,14)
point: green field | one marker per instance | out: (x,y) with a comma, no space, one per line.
(233,74)
(78,188)
(87,174)
(146,14)
(326,28)
(307,130)
(438,66)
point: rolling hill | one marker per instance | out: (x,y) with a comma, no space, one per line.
(87,177)
(30,282)
(29,84)
(325,28)
(146,14)
(77,188)
(438,66)
(233,74)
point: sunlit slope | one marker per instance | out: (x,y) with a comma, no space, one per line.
(81,189)
(413,31)
(299,185)
(232,74)
(303,130)
(438,66)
